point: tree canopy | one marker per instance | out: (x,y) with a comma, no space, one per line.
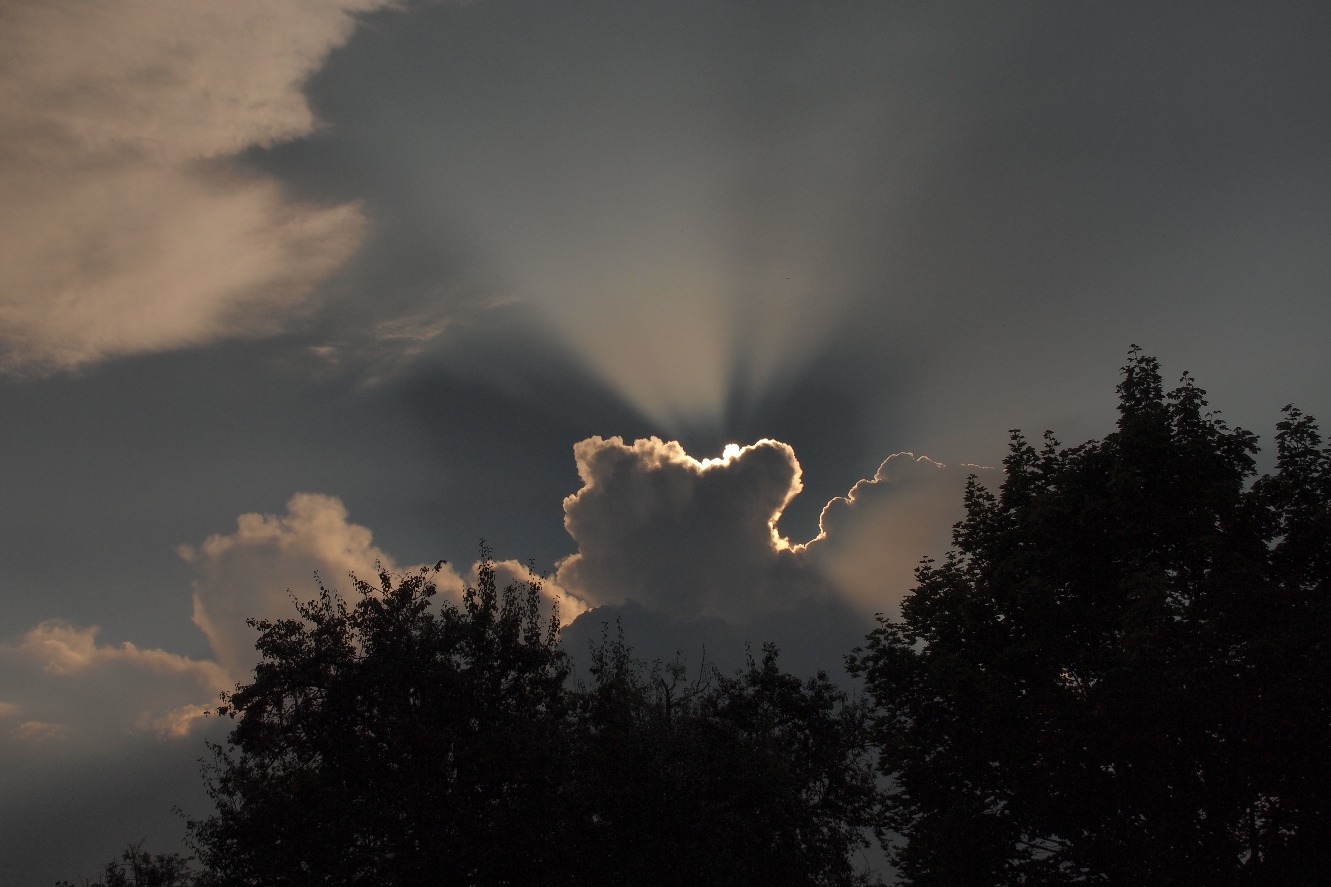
(1120,672)
(397,742)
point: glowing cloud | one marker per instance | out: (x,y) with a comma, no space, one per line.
(682,536)
(64,650)
(254,571)
(696,539)
(72,687)
(872,539)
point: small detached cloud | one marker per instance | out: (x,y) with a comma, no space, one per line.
(123,230)
(872,539)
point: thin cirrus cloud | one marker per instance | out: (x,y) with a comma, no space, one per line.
(122,228)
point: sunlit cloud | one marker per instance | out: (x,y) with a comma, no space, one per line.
(62,649)
(122,228)
(38,730)
(697,538)
(684,536)
(687,539)
(271,560)
(872,539)
(175,724)
(71,686)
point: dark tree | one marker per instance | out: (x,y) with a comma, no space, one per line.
(392,743)
(137,867)
(1120,674)
(759,778)
(397,743)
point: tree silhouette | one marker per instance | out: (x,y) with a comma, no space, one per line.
(756,778)
(392,742)
(1120,673)
(137,867)
(389,743)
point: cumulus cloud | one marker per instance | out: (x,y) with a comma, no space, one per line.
(63,650)
(686,554)
(681,536)
(122,229)
(69,686)
(255,571)
(872,539)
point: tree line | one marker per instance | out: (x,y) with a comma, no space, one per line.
(1120,674)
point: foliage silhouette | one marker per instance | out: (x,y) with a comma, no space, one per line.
(1122,672)
(392,742)
(138,868)
(387,743)
(756,778)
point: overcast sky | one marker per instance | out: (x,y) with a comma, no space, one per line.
(634,290)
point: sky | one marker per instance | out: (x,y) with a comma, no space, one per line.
(706,309)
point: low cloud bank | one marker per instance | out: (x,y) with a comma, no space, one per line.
(685,554)
(122,229)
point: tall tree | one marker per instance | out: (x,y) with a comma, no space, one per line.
(1120,672)
(392,743)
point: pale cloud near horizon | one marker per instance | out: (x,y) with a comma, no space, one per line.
(122,228)
(70,687)
(62,673)
(256,571)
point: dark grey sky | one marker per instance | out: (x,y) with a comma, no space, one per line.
(857,228)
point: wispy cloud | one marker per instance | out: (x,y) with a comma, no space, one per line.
(122,228)
(62,649)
